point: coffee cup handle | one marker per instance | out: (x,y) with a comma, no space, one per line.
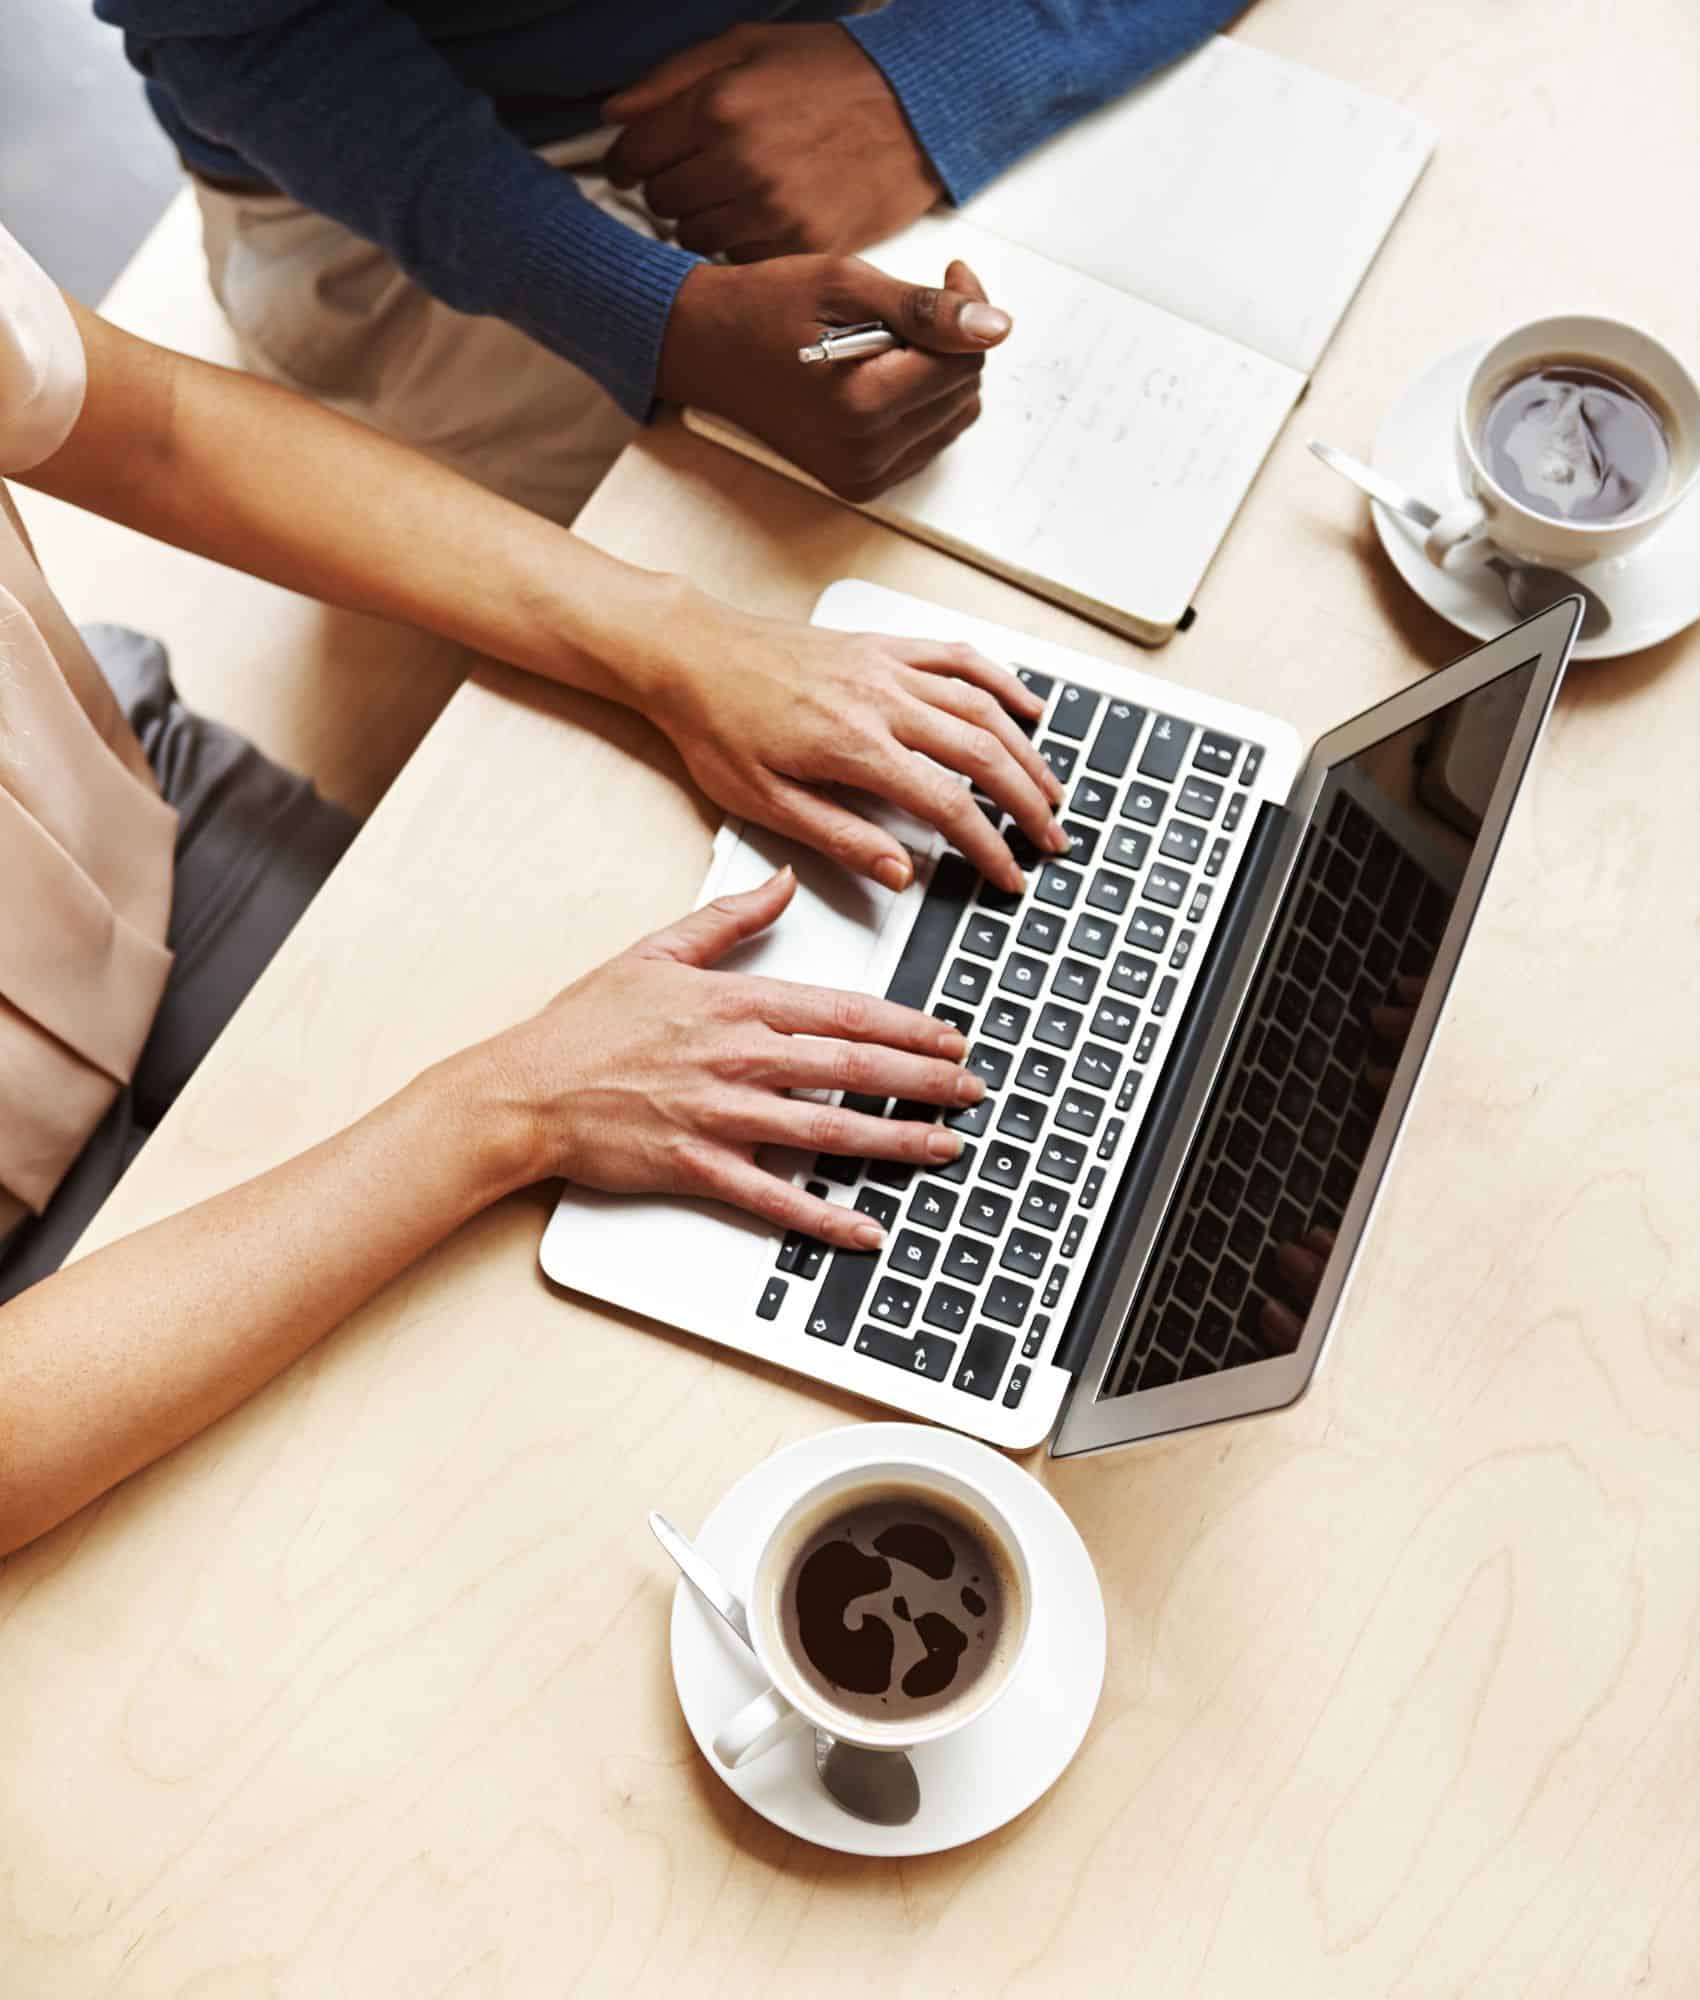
(1455,533)
(756,1728)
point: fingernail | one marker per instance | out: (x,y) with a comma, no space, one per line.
(970,1088)
(1055,839)
(985,323)
(943,1145)
(867,1236)
(952,1046)
(891,874)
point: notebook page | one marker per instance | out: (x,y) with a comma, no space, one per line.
(1115,444)
(1238,190)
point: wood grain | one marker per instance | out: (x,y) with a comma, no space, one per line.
(365,1692)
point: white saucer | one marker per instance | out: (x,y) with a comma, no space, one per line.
(972,1782)
(1651,592)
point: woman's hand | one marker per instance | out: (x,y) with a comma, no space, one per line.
(654,1075)
(768,715)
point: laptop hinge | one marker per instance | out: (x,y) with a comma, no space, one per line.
(1212,991)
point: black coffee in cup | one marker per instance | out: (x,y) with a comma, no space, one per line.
(896,1607)
(1567,439)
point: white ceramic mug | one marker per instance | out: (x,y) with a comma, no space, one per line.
(1488,519)
(792,1701)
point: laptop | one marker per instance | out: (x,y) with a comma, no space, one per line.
(1200,1030)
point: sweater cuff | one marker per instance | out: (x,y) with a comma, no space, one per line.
(944,92)
(614,287)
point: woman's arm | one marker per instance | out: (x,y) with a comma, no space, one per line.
(764,713)
(653,1074)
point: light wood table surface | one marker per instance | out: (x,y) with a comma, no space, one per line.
(365,1693)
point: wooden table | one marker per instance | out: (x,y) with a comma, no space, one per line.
(365,1693)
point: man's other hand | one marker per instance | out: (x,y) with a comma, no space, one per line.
(771,142)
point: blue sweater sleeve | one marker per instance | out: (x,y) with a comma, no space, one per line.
(346,107)
(983,84)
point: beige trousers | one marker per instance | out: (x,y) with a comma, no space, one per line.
(323,311)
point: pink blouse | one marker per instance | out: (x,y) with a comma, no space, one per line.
(85,839)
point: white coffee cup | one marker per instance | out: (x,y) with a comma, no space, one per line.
(792,1701)
(1489,520)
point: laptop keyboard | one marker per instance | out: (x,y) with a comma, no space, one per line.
(1067,994)
(1284,1151)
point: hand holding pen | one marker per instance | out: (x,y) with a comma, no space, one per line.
(909,387)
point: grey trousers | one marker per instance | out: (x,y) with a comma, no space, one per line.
(254,843)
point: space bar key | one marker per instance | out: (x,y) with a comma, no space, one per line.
(934,927)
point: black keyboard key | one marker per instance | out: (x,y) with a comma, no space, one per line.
(1200,903)
(1061,757)
(1072,1234)
(1005,1021)
(1040,1071)
(1127,847)
(1144,803)
(985,936)
(892,1173)
(1216,754)
(1043,1206)
(1110,892)
(894,1302)
(1003,1165)
(1057,886)
(1057,1026)
(967,1259)
(1115,740)
(1097,1066)
(1079,1111)
(989,1064)
(840,1297)
(843,1173)
(948,1306)
(1128,1091)
(1165,747)
(880,1206)
(1005,901)
(815,1188)
(971,1119)
(1180,843)
(932,1207)
(1252,765)
(806,1258)
(1013,1389)
(1062,1158)
(1007,1301)
(1035,683)
(1111,1139)
(1164,998)
(1082,840)
(1183,949)
(986,1213)
(1094,1187)
(1200,798)
(1021,1118)
(1131,974)
(1236,810)
(1115,1022)
(957,1170)
(1149,929)
(1041,930)
(772,1298)
(966,981)
(1166,886)
(1074,979)
(1054,1286)
(1147,1042)
(1092,800)
(1035,1339)
(1095,935)
(914,1254)
(954,1017)
(920,1354)
(1218,854)
(983,1361)
(1022,975)
(934,927)
(1024,1254)
(1074,710)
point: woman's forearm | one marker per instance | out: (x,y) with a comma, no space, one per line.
(249,474)
(118,1358)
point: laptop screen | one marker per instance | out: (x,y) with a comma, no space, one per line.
(1299,1096)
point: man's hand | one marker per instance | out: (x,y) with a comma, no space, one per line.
(767,142)
(856,426)
(656,1075)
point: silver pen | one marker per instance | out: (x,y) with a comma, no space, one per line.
(850,343)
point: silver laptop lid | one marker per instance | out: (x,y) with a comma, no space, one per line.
(1214,1294)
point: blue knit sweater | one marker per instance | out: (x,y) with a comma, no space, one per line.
(412,121)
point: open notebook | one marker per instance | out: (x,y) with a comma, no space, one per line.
(1175,265)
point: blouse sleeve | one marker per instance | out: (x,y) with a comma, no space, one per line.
(43,371)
